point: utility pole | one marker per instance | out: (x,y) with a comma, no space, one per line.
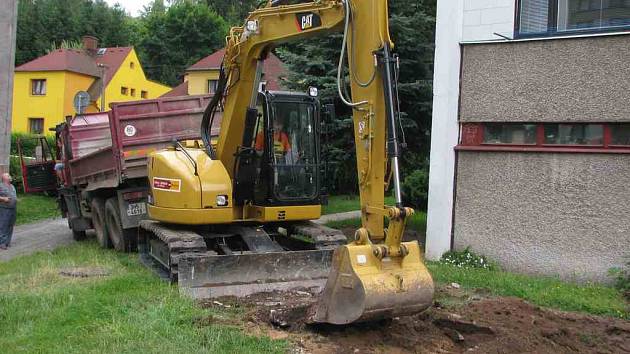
(8,25)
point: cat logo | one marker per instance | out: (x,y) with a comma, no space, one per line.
(308,20)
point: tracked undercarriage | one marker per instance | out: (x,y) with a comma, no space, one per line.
(238,260)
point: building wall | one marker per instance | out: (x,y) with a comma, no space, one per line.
(548,213)
(573,79)
(131,78)
(49,106)
(483,18)
(198,81)
(74,83)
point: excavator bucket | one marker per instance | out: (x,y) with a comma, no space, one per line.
(212,276)
(362,287)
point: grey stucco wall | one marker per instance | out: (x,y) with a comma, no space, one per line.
(553,214)
(577,79)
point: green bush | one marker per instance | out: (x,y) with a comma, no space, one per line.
(29,143)
(622,279)
(15,171)
(467,259)
(415,189)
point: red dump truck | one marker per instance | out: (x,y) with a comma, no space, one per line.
(101,163)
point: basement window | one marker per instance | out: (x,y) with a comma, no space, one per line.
(509,133)
(620,134)
(124,90)
(38,87)
(574,134)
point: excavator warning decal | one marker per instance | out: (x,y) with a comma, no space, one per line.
(167,184)
(307,20)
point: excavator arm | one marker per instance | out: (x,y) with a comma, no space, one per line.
(377,275)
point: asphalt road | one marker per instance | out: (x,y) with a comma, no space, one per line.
(44,235)
(49,234)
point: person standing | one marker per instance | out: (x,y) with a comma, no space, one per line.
(8,204)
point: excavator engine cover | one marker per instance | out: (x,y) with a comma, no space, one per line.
(362,287)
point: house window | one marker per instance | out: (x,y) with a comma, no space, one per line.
(549,17)
(546,137)
(212,86)
(132,65)
(144,94)
(620,134)
(133,92)
(574,134)
(124,90)
(38,87)
(36,125)
(509,133)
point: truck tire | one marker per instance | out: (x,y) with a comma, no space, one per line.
(77,235)
(98,221)
(122,239)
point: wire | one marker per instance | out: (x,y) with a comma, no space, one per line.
(355,74)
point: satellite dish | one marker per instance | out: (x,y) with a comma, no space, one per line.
(81,101)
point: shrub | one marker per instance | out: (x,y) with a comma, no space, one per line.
(415,189)
(29,144)
(467,259)
(15,170)
(622,279)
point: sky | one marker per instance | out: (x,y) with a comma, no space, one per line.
(133,7)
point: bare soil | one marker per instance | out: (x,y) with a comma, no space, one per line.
(459,321)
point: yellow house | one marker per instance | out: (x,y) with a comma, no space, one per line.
(44,88)
(201,78)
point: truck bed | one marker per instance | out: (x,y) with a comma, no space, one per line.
(110,148)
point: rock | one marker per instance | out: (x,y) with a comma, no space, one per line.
(455,286)
(274,318)
(454,335)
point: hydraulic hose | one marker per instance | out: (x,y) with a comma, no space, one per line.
(209,113)
(342,58)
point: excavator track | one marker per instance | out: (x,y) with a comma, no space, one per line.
(208,263)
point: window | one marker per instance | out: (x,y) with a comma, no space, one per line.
(38,87)
(517,134)
(546,137)
(133,92)
(36,125)
(574,134)
(144,94)
(567,16)
(620,134)
(132,65)
(124,91)
(212,86)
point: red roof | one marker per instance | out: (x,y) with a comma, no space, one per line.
(79,61)
(179,90)
(274,69)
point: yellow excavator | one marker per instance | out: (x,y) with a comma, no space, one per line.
(232,217)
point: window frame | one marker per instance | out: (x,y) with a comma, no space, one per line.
(33,81)
(472,134)
(31,120)
(216,84)
(552,25)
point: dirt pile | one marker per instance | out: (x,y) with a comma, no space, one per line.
(480,325)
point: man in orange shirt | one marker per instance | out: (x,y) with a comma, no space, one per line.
(281,144)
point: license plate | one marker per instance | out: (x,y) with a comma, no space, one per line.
(136,209)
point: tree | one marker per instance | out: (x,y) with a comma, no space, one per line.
(314,62)
(178,36)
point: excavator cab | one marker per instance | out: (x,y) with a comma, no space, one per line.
(278,163)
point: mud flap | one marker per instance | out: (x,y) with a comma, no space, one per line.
(212,276)
(362,287)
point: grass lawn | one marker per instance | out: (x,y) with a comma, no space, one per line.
(34,207)
(129,311)
(417,222)
(343,203)
(542,291)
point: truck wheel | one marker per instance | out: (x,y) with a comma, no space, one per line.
(77,235)
(98,221)
(121,239)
